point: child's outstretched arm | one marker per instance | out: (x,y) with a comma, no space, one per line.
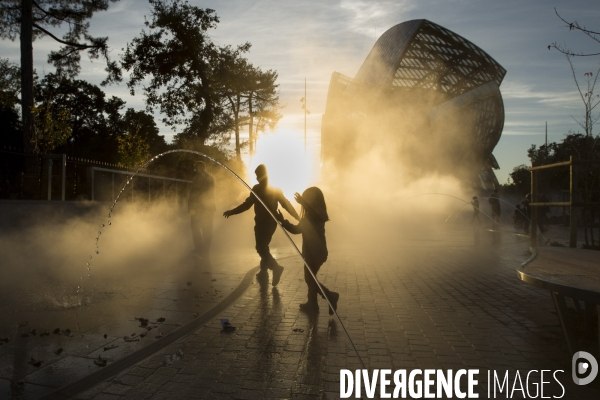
(291,228)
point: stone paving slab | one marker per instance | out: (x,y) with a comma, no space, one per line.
(405,307)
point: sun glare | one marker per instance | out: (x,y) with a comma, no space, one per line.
(290,169)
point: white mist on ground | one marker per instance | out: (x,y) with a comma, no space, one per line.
(45,259)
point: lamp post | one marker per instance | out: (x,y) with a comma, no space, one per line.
(303,101)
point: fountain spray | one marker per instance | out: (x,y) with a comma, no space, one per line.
(79,288)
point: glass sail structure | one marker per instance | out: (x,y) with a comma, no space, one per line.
(428,86)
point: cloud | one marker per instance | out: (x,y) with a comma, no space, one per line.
(519,90)
(370,18)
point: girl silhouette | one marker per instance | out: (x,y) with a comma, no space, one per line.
(314,246)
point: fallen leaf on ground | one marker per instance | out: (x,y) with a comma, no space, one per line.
(35,363)
(101,362)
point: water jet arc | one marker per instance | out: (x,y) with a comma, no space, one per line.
(272,216)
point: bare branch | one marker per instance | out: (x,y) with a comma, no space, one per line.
(575,25)
(575,78)
(567,52)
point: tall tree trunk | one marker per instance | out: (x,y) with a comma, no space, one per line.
(238,150)
(250,125)
(27,74)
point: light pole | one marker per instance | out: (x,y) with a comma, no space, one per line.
(303,101)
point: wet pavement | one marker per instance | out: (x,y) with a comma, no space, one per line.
(52,335)
(98,331)
(449,301)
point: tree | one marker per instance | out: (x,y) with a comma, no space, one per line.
(143,124)
(263,104)
(134,149)
(212,91)
(9,83)
(249,93)
(30,19)
(96,121)
(140,139)
(51,126)
(10,126)
(174,57)
(521,181)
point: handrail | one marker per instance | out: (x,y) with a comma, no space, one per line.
(572,203)
(563,164)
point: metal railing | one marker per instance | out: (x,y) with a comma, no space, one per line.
(116,185)
(573,202)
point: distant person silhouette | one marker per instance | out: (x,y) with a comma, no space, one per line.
(314,246)
(527,210)
(264,224)
(494,201)
(201,206)
(475,204)
(518,216)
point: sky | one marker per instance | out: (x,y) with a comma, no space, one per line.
(312,39)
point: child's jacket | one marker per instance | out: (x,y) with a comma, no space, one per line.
(314,244)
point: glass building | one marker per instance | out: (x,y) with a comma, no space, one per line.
(428,89)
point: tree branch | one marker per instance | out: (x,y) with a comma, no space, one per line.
(570,53)
(53,16)
(78,45)
(575,25)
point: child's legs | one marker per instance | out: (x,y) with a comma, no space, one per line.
(313,288)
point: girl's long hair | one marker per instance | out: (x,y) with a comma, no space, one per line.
(314,206)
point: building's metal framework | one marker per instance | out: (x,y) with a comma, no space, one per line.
(422,57)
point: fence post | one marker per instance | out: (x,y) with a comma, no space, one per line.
(572,198)
(534,210)
(50,162)
(64,177)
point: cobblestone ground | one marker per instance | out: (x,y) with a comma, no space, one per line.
(406,306)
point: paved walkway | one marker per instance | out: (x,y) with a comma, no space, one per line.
(98,329)
(427,303)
